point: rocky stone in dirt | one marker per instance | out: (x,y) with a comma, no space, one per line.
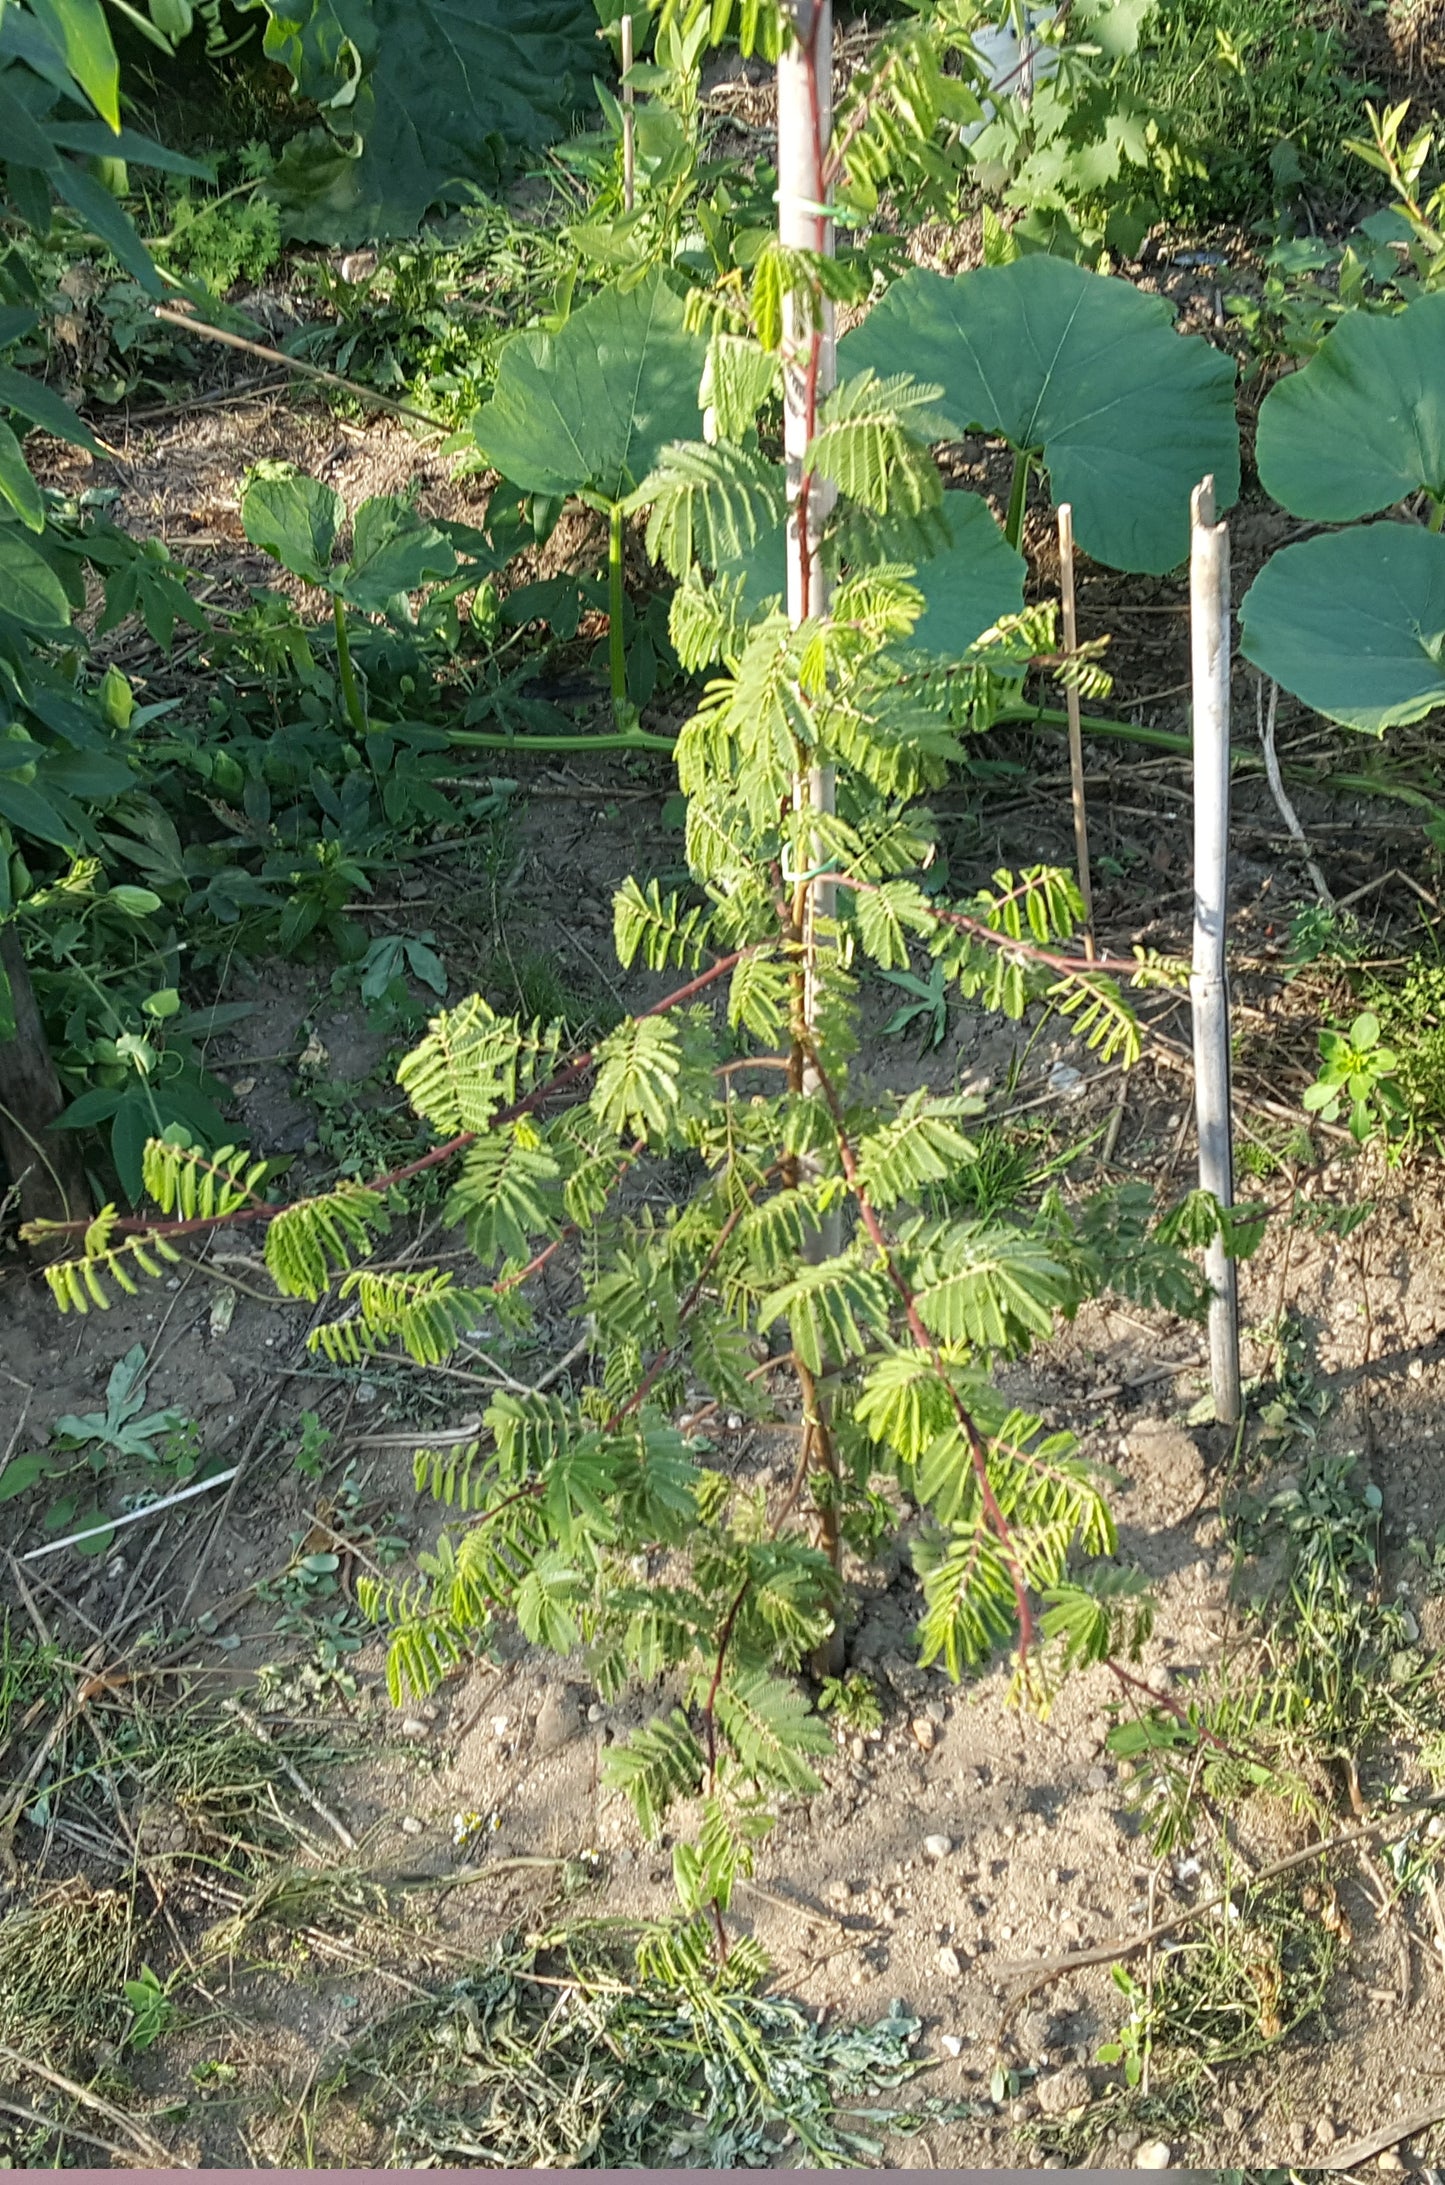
(949,1962)
(1155,2154)
(559,1719)
(215,1389)
(410,1825)
(924,1733)
(1064,2091)
(1391,2162)
(1325,2132)
(937,1847)
(414,1728)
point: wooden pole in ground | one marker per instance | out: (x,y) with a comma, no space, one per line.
(1209,622)
(1076,731)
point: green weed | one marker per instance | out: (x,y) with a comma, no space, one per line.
(1259,92)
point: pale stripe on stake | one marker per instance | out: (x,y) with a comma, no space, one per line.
(132,1517)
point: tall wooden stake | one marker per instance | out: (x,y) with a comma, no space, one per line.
(1076,731)
(1209,621)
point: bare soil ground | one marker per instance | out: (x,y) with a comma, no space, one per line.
(953,1857)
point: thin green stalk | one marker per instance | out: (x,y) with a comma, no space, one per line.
(1018,497)
(1437,511)
(1044,717)
(1248,762)
(350,690)
(616,652)
(635,739)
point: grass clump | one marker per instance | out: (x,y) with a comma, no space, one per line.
(1258,94)
(64,1959)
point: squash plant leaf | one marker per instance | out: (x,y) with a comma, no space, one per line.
(426,99)
(393,552)
(1363,424)
(294,518)
(970,584)
(1081,371)
(1354,624)
(589,410)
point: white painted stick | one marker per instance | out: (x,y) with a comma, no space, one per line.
(629,119)
(132,1517)
(805,128)
(1209,622)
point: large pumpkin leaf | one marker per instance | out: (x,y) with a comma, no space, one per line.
(590,409)
(433,96)
(1364,423)
(1126,415)
(971,583)
(1354,624)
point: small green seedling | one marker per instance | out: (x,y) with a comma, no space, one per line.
(854,1700)
(928,1008)
(95,1441)
(152,2007)
(1357,1075)
(394,552)
(1131,2047)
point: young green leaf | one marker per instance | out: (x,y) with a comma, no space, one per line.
(293,518)
(590,409)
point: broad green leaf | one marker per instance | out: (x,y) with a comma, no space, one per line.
(93,140)
(78,28)
(1354,624)
(1363,424)
(1126,415)
(294,518)
(394,552)
(33,814)
(433,95)
(971,584)
(30,591)
(101,213)
(590,409)
(16,484)
(29,399)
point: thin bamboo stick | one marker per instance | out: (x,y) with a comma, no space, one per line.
(1076,731)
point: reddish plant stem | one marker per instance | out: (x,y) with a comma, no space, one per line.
(689,1305)
(709,1708)
(1028,951)
(998,1523)
(137,1225)
(1198,1730)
